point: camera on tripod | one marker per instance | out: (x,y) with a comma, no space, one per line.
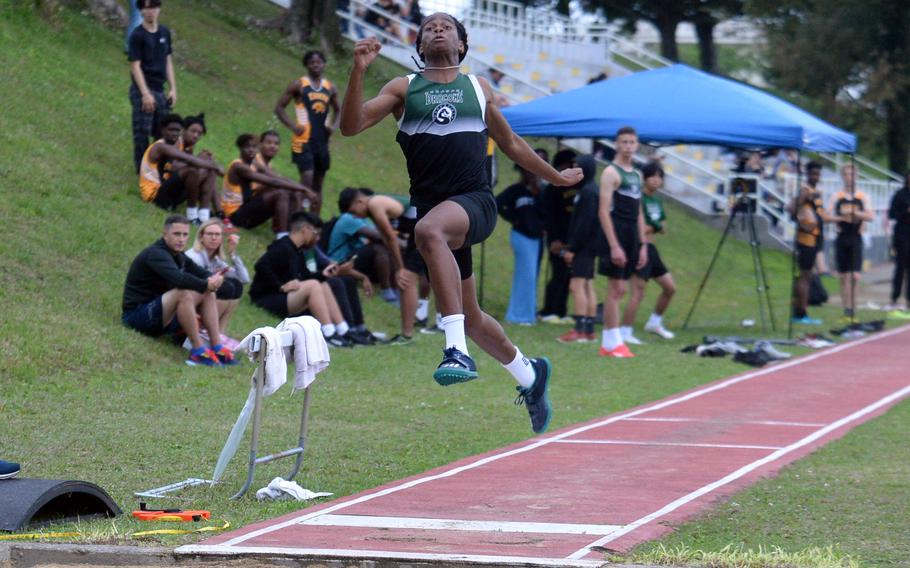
(743,194)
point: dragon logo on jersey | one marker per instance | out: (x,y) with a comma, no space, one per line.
(444,113)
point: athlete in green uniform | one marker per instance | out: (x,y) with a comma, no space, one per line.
(444,118)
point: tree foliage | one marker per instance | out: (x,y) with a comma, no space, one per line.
(666,15)
(852,56)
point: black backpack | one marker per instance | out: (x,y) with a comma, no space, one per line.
(817,293)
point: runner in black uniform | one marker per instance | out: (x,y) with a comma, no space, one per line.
(850,208)
(443,119)
(624,226)
(653,209)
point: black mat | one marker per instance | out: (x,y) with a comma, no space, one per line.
(39,502)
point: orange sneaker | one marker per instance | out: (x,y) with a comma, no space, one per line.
(621,352)
(590,337)
(572,336)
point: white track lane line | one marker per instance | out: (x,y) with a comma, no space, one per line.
(746,469)
(458,525)
(544,441)
(746,422)
(674,444)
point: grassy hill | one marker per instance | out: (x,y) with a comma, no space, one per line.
(83,397)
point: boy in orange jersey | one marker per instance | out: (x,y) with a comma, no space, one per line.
(161,183)
(313,97)
(252,194)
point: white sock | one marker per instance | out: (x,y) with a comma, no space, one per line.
(423,308)
(342,327)
(328,330)
(610,339)
(204,214)
(625,331)
(280,235)
(453,325)
(521,369)
(192,213)
(655,320)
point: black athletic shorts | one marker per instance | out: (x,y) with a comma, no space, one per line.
(805,256)
(628,236)
(276,303)
(171,193)
(848,253)
(583,264)
(231,289)
(148,318)
(481,209)
(314,156)
(252,213)
(655,267)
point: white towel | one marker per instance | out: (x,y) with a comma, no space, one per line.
(311,353)
(279,489)
(276,367)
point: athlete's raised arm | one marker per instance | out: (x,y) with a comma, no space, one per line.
(357,115)
(515,147)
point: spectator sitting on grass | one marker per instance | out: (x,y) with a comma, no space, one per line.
(355,234)
(166,186)
(164,291)
(211,253)
(251,196)
(284,285)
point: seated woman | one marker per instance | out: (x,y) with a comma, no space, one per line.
(210,252)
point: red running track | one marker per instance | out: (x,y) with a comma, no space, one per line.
(612,482)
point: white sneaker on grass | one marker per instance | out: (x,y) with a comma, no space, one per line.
(630,339)
(660,330)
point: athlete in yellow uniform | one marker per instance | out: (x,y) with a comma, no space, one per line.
(273,196)
(313,97)
(162,184)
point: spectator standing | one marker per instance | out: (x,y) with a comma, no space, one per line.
(151,66)
(313,96)
(164,292)
(557,204)
(519,204)
(583,244)
(850,208)
(211,252)
(622,220)
(899,212)
(655,223)
(808,211)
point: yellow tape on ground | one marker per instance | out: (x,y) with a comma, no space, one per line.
(36,536)
(178,531)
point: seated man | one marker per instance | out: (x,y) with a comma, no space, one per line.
(252,195)
(161,183)
(355,236)
(165,290)
(284,285)
(193,131)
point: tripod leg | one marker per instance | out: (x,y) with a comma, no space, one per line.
(704,279)
(760,272)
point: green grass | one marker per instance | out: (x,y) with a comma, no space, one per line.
(83,397)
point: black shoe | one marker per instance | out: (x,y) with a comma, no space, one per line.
(8,470)
(456,367)
(431,330)
(359,338)
(420,322)
(535,397)
(399,339)
(338,341)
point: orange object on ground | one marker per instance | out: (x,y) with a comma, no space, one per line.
(180,515)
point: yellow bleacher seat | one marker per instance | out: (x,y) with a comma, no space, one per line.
(668,168)
(690,179)
(716,165)
(506,88)
(559,62)
(543,55)
(499,58)
(465,68)
(535,75)
(480,48)
(517,66)
(526,97)
(552,83)
(575,71)
(698,155)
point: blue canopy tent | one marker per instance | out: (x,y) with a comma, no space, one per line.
(679,104)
